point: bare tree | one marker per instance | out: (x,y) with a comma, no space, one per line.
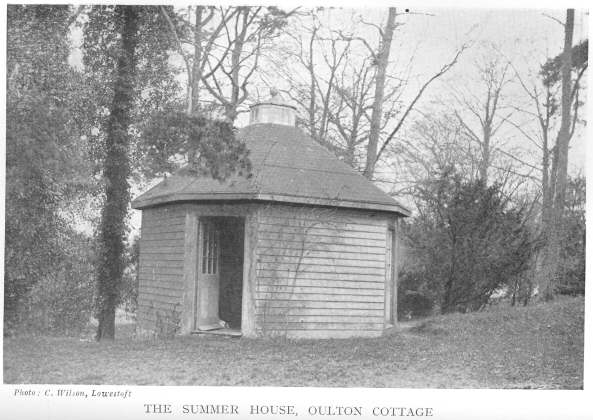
(484,110)
(352,96)
(221,50)
(237,59)
(313,49)
(380,60)
(201,36)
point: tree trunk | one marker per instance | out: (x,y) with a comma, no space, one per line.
(555,228)
(382,60)
(485,162)
(112,230)
(312,98)
(197,63)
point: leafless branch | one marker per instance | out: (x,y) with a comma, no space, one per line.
(442,71)
(554,19)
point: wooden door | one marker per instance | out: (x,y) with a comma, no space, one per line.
(208,287)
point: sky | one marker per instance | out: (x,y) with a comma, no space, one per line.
(525,36)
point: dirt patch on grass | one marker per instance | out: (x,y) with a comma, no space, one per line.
(538,346)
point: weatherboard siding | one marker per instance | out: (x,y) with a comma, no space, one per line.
(320,272)
(161,267)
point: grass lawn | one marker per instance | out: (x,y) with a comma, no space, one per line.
(538,346)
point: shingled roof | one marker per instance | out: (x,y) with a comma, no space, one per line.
(287,166)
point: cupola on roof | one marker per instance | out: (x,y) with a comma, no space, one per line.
(275,110)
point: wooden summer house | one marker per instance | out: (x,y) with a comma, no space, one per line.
(305,247)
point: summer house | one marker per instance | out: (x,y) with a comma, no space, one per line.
(305,247)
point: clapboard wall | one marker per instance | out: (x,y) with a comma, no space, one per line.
(309,272)
(320,272)
(161,281)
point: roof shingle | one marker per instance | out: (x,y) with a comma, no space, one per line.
(287,166)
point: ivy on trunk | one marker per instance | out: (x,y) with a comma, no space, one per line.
(112,229)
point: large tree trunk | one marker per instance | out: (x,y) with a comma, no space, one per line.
(555,225)
(112,230)
(382,60)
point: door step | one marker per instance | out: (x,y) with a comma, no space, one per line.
(229,332)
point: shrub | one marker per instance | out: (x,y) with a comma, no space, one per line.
(466,243)
(62,300)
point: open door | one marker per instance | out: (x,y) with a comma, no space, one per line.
(208,287)
(219,284)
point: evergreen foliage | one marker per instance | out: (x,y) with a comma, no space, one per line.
(467,243)
(209,146)
(550,70)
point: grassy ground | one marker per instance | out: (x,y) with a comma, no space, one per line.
(539,346)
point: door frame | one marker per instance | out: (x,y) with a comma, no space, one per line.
(391,271)
(249,213)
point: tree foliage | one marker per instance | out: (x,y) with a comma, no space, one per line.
(209,146)
(550,70)
(62,300)
(155,89)
(138,110)
(467,243)
(46,172)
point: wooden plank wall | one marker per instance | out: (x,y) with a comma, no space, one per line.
(161,282)
(320,272)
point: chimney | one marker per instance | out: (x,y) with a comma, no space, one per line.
(275,110)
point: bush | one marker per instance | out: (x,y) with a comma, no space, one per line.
(62,301)
(465,244)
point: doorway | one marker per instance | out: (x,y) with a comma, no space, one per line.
(219,284)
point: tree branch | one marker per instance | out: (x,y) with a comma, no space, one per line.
(180,50)
(442,71)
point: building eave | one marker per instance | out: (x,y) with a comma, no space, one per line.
(274,198)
